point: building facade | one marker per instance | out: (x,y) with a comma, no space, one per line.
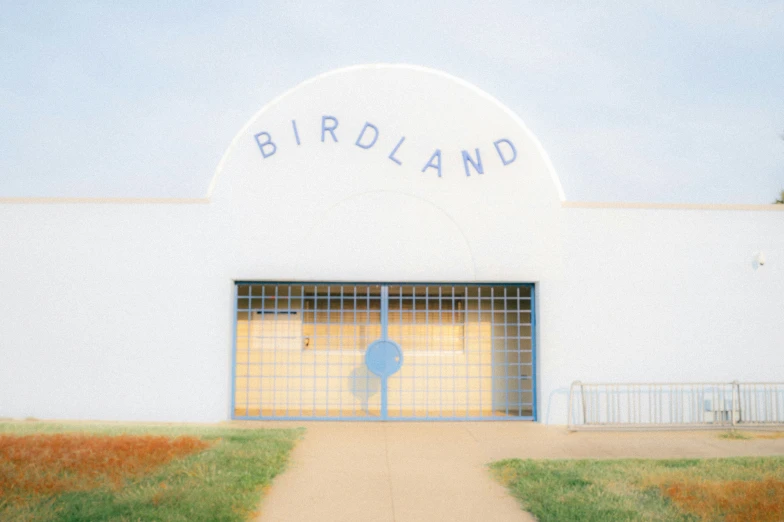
(380,243)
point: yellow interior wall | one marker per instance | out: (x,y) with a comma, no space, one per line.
(276,375)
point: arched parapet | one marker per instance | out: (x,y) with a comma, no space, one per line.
(414,134)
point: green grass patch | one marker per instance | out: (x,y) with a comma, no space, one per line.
(742,435)
(647,490)
(225,481)
(735,435)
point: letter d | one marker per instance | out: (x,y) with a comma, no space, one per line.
(367,126)
(501,154)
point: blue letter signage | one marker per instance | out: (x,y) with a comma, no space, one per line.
(368,137)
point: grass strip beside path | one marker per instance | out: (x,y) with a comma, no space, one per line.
(729,489)
(220,478)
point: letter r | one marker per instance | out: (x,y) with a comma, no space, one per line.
(331,129)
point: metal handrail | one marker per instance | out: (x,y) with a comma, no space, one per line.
(761,403)
(656,405)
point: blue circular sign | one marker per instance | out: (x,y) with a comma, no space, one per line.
(383,357)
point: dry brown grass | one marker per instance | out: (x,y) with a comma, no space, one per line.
(771,435)
(506,475)
(730,501)
(54,463)
(733,489)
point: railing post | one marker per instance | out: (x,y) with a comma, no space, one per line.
(735,387)
(569,425)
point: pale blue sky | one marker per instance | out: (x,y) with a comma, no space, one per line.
(672,101)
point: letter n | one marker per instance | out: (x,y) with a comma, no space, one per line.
(476,164)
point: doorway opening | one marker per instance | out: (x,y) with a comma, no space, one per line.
(391,351)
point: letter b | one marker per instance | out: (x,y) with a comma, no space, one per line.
(267,147)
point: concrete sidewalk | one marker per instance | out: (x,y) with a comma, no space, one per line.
(407,472)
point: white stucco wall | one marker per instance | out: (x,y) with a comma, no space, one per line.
(123,310)
(666,295)
(109,312)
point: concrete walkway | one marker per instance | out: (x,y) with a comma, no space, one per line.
(405,472)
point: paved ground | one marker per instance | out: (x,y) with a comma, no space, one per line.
(405,472)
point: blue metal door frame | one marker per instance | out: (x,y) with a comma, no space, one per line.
(265,369)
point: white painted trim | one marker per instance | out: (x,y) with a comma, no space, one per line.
(120,201)
(670,206)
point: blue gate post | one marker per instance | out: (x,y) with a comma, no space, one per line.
(384,337)
(384,357)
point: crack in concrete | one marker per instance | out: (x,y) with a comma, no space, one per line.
(471,433)
(389,473)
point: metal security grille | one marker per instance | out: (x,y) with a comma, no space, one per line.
(441,352)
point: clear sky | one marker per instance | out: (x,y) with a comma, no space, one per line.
(671,101)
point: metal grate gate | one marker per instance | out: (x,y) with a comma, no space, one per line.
(384,351)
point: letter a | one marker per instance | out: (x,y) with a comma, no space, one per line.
(437,165)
